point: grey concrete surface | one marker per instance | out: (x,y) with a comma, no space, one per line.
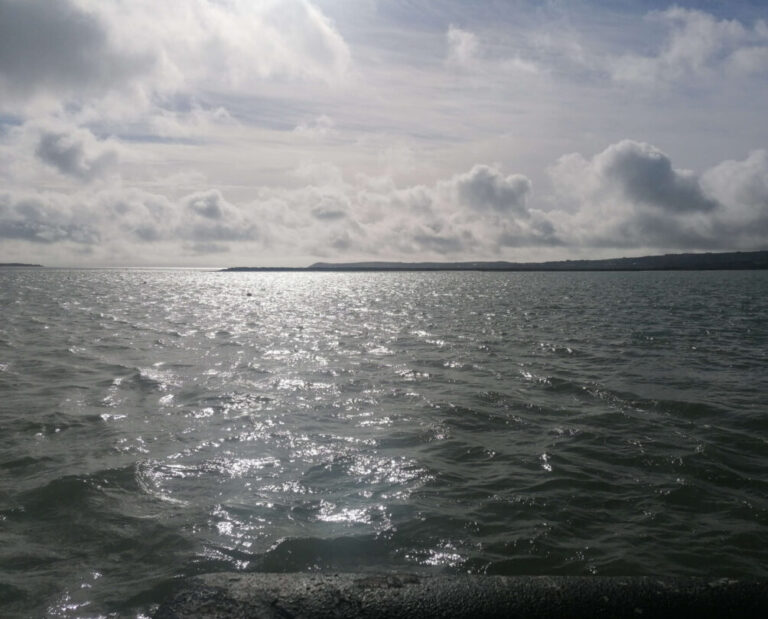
(259,595)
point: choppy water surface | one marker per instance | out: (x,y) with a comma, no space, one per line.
(158,424)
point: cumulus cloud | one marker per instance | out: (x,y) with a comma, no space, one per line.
(485,187)
(643,175)
(482,211)
(208,217)
(630,195)
(742,186)
(741,183)
(45,219)
(203,219)
(76,152)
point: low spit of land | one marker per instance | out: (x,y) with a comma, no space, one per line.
(667,262)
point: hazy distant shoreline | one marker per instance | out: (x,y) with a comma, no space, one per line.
(667,262)
(18,264)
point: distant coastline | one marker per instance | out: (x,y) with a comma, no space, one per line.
(669,262)
(18,264)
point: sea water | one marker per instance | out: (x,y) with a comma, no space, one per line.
(156,424)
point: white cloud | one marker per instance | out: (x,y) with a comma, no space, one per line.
(317,128)
(243,127)
(742,187)
(79,50)
(699,45)
(630,195)
(479,210)
(462,46)
(195,123)
(465,51)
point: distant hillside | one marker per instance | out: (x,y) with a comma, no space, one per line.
(668,262)
(18,264)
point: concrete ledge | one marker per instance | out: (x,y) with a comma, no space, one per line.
(403,595)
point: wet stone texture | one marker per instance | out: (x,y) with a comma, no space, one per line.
(403,595)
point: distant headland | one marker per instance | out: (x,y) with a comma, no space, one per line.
(668,262)
(18,264)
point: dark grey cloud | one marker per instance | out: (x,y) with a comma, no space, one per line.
(328,213)
(540,232)
(147,232)
(59,48)
(440,244)
(68,152)
(37,221)
(146,217)
(342,242)
(649,229)
(208,248)
(209,218)
(644,175)
(202,221)
(208,205)
(485,187)
(46,232)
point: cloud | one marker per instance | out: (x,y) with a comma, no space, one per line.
(462,46)
(317,128)
(485,187)
(698,45)
(84,50)
(466,51)
(643,175)
(204,219)
(208,217)
(482,211)
(45,219)
(630,195)
(742,186)
(61,48)
(197,122)
(76,153)
(329,211)
(230,45)
(694,47)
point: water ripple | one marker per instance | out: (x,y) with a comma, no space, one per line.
(156,424)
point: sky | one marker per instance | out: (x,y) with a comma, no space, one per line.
(281,133)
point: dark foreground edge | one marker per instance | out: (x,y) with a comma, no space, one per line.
(402,595)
